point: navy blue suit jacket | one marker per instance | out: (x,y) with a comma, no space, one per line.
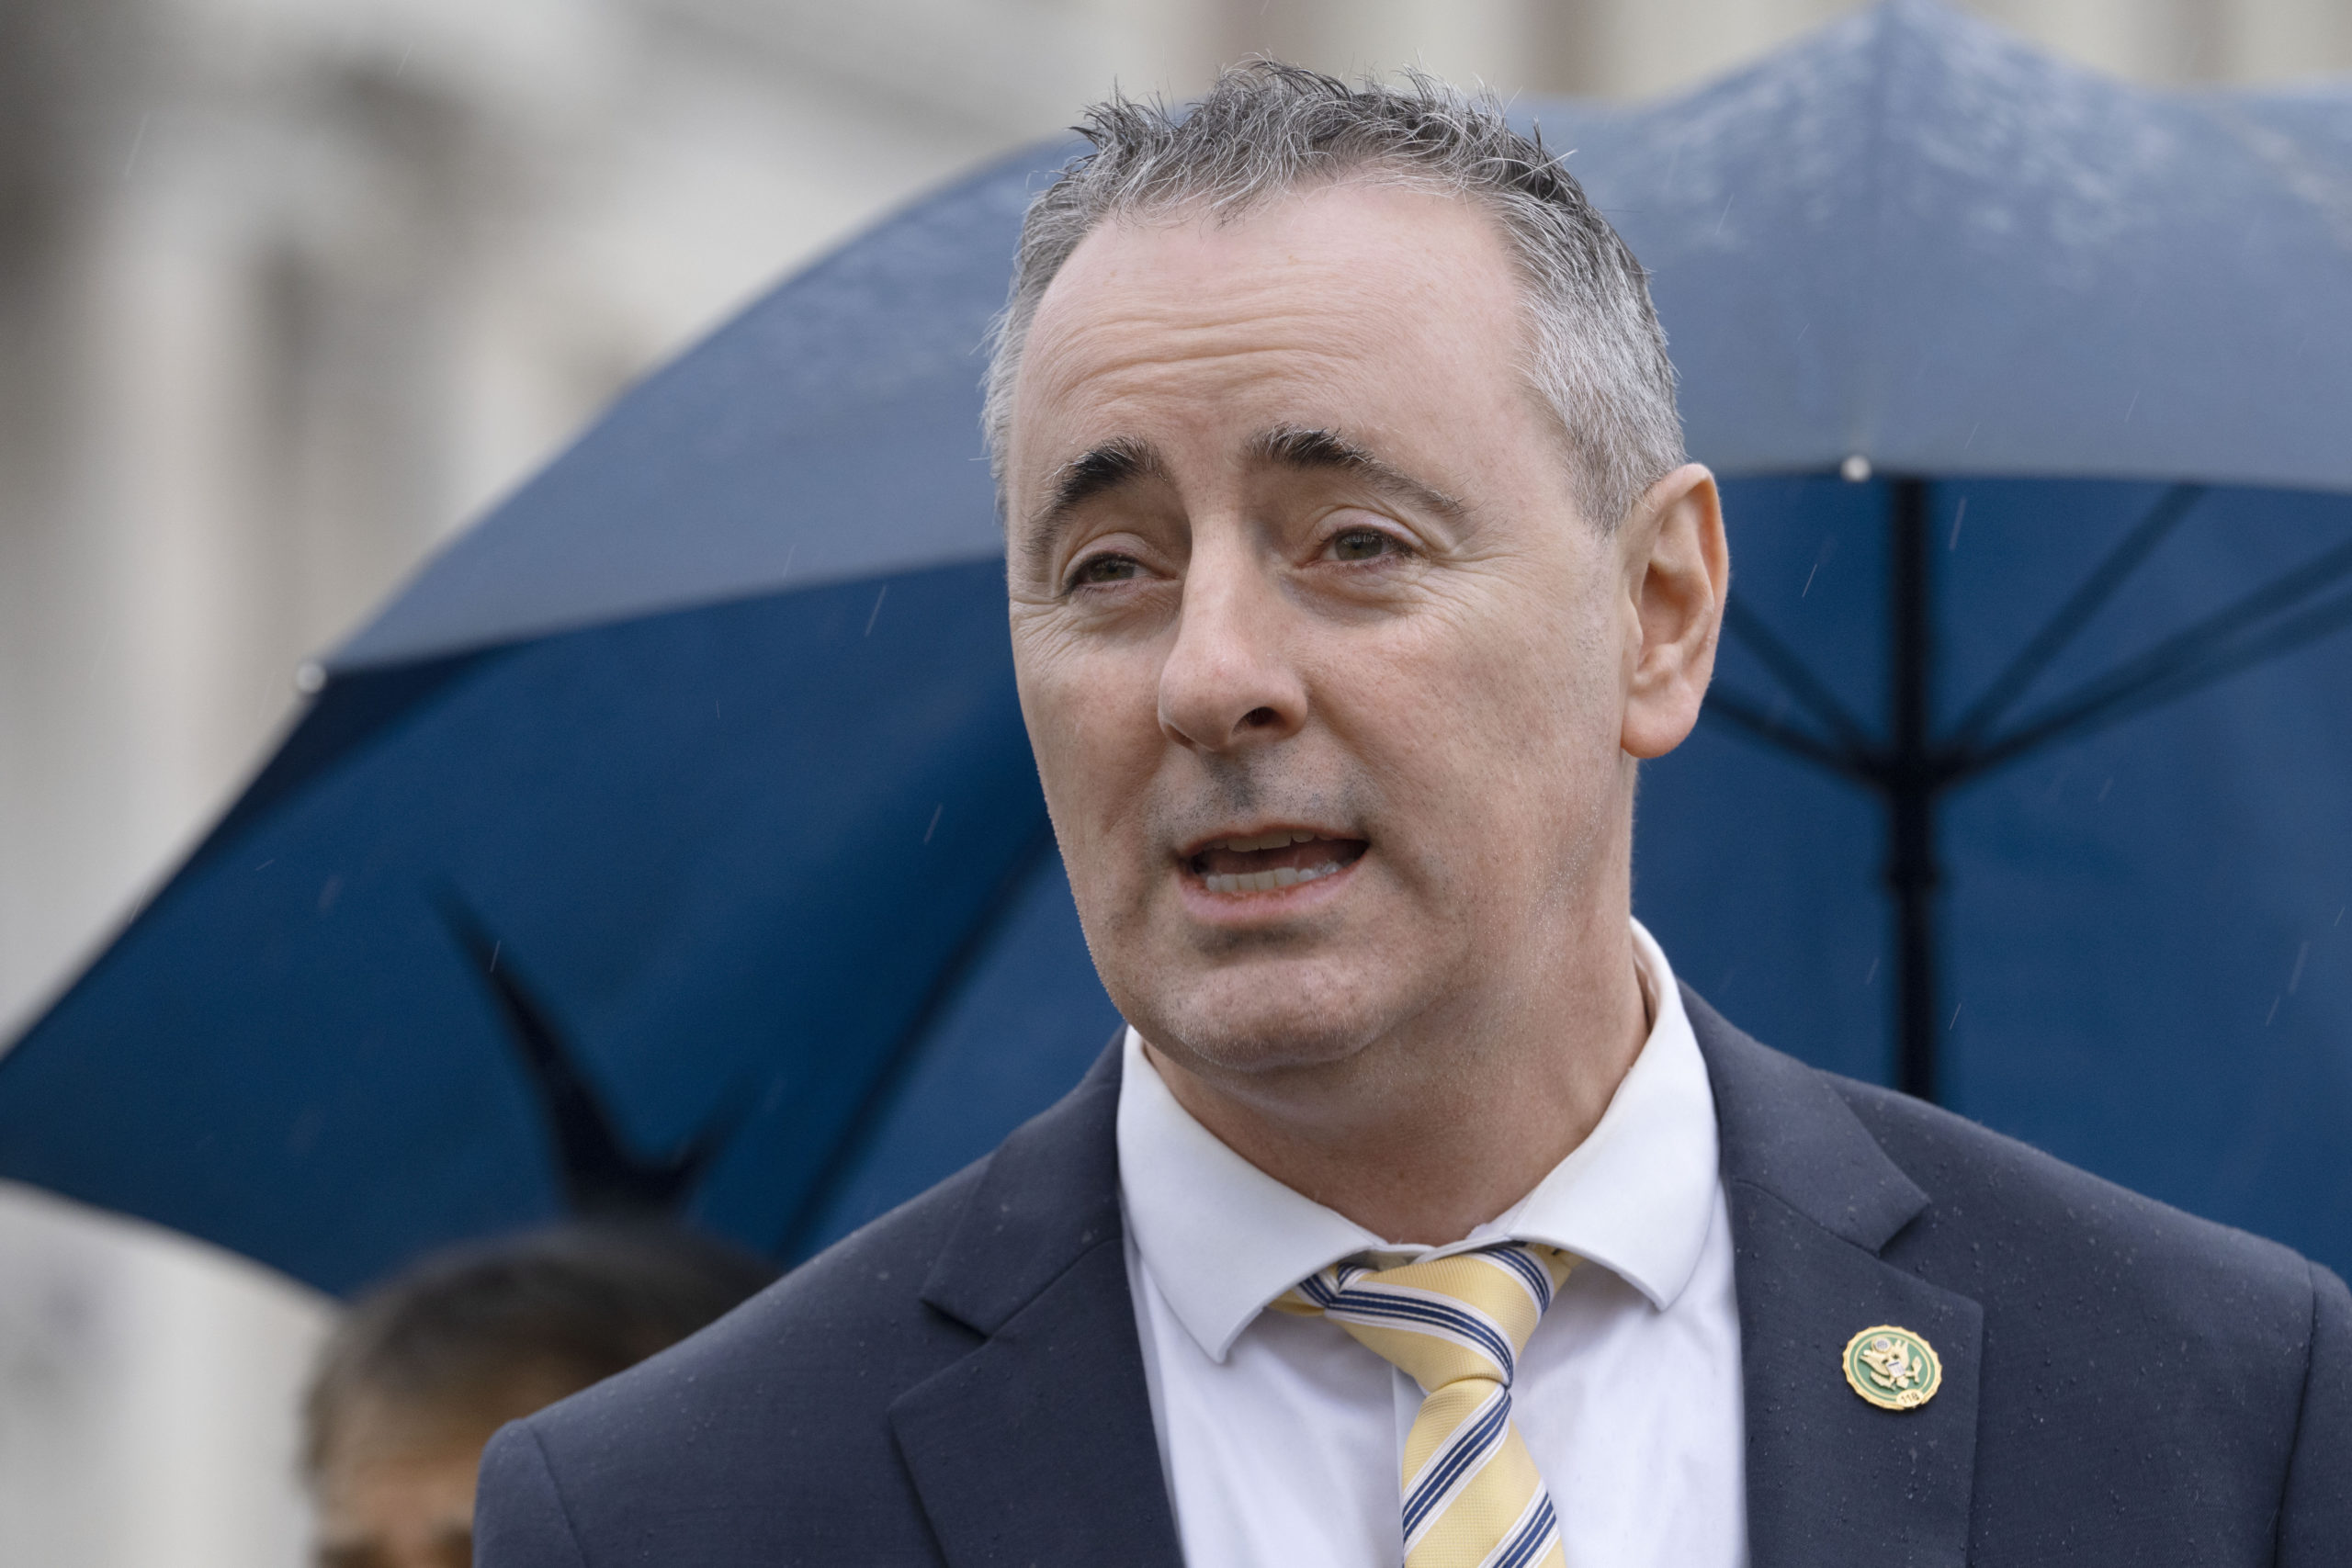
(960,1382)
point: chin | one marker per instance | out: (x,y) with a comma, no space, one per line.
(1252,1025)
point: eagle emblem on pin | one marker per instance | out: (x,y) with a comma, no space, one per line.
(1892,1368)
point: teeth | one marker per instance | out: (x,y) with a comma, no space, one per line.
(1267,881)
(1281,839)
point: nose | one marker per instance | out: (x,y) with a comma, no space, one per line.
(1228,682)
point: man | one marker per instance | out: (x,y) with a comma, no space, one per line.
(427,1365)
(1420,1216)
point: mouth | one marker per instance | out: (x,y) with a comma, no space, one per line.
(1270,860)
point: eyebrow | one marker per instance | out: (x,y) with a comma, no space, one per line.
(1114,465)
(1123,459)
(1294,446)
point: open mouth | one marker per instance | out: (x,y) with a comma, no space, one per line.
(1272,860)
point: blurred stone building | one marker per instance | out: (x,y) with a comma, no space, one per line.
(290,288)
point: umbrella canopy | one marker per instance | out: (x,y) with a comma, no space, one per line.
(672,842)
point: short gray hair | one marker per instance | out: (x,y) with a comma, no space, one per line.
(1267,129)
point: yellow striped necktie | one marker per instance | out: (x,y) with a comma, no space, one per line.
(1455,1326)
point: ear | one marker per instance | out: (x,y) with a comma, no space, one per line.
(1677,568)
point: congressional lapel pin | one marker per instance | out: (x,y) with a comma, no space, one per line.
(1892,1368)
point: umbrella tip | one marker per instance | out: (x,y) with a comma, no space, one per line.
(1855,469)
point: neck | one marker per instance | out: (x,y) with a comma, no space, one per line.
(1448,1120)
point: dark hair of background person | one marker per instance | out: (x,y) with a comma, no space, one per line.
(567,1306)
(427,1364)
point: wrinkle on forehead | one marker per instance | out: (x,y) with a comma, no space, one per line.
(1120,355)
(1195,289)
(1395,314)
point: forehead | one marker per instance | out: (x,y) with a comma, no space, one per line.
(1355,292)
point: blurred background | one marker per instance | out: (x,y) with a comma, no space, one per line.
(288,291)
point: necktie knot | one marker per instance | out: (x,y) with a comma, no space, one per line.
(1456,1325)
(1443,1319)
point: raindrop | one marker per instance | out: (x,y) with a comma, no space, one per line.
(2296,978)
(1855,469)
(1955,1016)
(1872,974)
(2273,1012)
(878,597)
(2105,787)
(935,810)
(137,142)
(310,678)
(1959,514)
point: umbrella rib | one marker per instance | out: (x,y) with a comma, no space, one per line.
(599,1173)
(2187,661)
(857,1130)
(1797,679)
(2134,548)
(2272,642)
(1745,715)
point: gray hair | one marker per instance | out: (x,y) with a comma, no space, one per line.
(1266,130)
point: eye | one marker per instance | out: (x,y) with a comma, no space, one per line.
(1361,544)
(1098,569)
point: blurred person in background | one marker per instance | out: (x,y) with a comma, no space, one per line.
(430,1363)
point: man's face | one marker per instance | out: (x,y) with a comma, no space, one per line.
(1326,674)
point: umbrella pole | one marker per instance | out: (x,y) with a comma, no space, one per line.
(1911,771)
(1912,780)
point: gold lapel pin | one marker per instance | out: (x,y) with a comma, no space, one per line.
(1892,1368)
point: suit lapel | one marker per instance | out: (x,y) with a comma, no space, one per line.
(1038,1447)
(1832,1480)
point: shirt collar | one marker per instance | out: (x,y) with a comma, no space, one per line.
(1221,1238)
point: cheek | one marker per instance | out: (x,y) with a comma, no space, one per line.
(1093,724)
(1499,724)
(1563,652)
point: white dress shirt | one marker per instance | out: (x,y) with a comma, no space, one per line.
(1281,1436)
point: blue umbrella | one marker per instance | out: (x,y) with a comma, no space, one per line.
(671,842)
